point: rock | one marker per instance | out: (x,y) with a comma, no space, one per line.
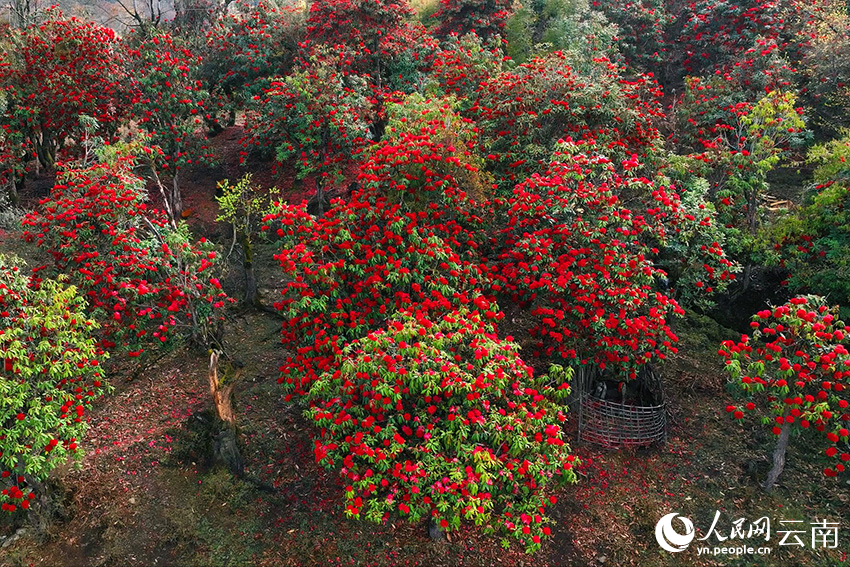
(434,532)
(602,559)
(10,540)
(226,451)
(132,500)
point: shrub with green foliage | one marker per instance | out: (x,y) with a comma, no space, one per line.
(813,242)
(570,26)
(49,377)
(438,418)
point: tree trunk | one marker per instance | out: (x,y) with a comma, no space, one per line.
(47,505)
(226,451)
(251,294)
(12,192)
(226,445)
(176,199)
(45,151)
(778,457)
(320,197)
(752,206)
(745,278)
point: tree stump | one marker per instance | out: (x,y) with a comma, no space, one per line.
(225,438)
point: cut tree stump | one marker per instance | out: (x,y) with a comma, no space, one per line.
(225,438)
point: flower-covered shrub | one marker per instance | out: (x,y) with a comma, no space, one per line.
(50,374)
(580,262)
(642,29)
(793,373)
(462,64)
(429,158)
(54,73)
(143,279)
(524,112)
(438,418)
(352,270)
(169,104)
(725,35)
(245,49)
(356,23)
(314,115)
(486,18)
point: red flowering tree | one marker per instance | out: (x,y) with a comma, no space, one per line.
(353,269)
(414,418)
(524,112)
(370,28)
(13,158)
(716,35)
(314,115)
(428,159)
(169,104)
(53,74)
(486,18)
(736,145)
(245,50)
(793,373)
(694,250)
(643,26)
(50,375)
(580,263)
(462,64)
(143,279)
(824,69)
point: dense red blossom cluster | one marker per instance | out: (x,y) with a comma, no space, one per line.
(355,268)
(142,279)
(416,417)
(64,69)
(575,256)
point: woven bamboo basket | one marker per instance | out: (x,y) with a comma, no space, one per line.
(617,424)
